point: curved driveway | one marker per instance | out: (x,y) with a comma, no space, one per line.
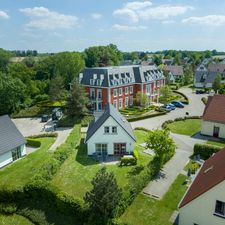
(195,108)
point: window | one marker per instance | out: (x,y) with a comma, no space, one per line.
(16,153)
(92,82)
(92,92)
(119,148)
(220,208)
(114,130)
(99,94)
(126,101)
(120,91)
(115,92)
(131,89)
(120,103)
(131,100)
(126,90)
(115,103)
(101,149)
(148,89)
(106,130)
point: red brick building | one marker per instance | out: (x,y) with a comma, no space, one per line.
(119,85)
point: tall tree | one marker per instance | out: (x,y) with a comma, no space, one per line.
(161,143)
(165,94)
(4,59)
(217,83)
(77,100)
(188,75)
(141,99)
(104,198)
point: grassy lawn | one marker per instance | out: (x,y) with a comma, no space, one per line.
(217,143)
(75,175)
(147,211)
(135,111)
(188,127)
(17,174)
(14,220)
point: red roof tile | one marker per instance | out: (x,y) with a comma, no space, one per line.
(215,109)
(211,174)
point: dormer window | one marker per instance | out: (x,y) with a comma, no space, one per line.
(106,130)
(94,76)
(92,82)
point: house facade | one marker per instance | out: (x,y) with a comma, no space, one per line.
(119,85)
(175,71)
(213,120)
(110,134)
(12,143)
(204,201)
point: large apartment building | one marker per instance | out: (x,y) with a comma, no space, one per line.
(119,85)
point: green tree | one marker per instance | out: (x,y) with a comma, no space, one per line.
(141,99)
(157,59)
(165,94)
(77,100)
(188,76)
(177,59)
(4,59)
(161,143)
(11,94)
(217,83)
(104,198)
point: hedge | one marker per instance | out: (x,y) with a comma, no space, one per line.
(182,94)
(146,116)
(33,143)
(44,135)
(142,129)
(205,151)
(128,161)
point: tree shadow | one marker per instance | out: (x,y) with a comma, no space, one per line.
(82,156)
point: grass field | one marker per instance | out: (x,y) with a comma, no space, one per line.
(14,220)
(75,175)
(18,174)
(188,127)
(147,211)
(217,143)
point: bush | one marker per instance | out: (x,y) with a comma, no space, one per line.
(44,135)
(40,98)
(185,97)
(128,161)
(8,208)
(86,120)
(164,125)
(204,100)
(33,143)
(142,128)
(205,151)
(146,116)
(135,154)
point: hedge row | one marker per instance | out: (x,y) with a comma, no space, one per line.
(165,124)
(205,151)
(44,135)
(142,129)
(146,116)
(182,94)
(33,143)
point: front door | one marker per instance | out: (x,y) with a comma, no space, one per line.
(216,131)
(119,148)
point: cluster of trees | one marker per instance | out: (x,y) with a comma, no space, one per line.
(19,53)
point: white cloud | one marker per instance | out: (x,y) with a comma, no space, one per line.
(167,21)
(96,16)
(210,20)
(128,28)
(136,11)
(4,15)
(43,18)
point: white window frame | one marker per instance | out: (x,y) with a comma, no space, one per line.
(114,130)
(126,90)
(99,91)
(92,82)
(120,103)
(131,89)
(126,102)
(115,103)
(92,90)
(131,101)
(106,128)
(115,92)
(120,91)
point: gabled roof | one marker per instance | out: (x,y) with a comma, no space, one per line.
(216,67)
(211,174)
(215,109)
(175,70)
(10,136)
(202,76)
(110,111)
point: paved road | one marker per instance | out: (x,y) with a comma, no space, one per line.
(195,108)
(33,126)
(173,168)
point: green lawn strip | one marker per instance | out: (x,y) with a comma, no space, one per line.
(18,174)
(188,127)
(75,175)
(147,211)
(217,143)
(14,220)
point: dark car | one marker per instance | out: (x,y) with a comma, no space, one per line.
(166,108)
(44,118)
(178,104)
(200,92)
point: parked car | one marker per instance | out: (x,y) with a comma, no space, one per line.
(200,92)
(44,118)
(166,108)
(171,106)
(177,104)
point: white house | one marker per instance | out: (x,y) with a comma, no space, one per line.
(213,120)
(12,143)
(204,201)
(110,134)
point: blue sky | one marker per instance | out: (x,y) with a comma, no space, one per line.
(73,25)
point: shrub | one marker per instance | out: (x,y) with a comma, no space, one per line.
(205,151)
(8,208)
(44,135)
(164,125)
(86,120)
(128,161)
(135,154)
(204,100)
(40,98)
(142,128)
(33,143)
(146,116)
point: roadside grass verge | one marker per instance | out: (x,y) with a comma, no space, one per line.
(75,175)
(217,143)
(147,211)
(187,127)
(18,173)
